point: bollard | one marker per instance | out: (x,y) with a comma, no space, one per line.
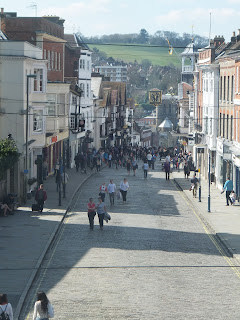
(199,194)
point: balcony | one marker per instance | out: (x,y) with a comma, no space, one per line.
(188,69)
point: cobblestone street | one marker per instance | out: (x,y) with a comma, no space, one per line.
(153,260)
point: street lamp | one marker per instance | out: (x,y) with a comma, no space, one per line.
(209,181)
(27,109)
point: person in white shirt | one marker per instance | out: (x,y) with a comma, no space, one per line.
(5,306)
(111,191)
(42,308)
(124,187)
(103,189)
(149,159)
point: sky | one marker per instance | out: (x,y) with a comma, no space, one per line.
(99,17)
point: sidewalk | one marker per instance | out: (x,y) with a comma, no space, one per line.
(224,220)
(19,260)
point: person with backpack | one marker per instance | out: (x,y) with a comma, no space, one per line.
(6,312)
(42,308)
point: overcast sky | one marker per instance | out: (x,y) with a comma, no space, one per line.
(98,17)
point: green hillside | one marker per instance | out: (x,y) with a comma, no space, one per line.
(127,53)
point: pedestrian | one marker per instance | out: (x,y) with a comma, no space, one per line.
(233,197)
(43,310)
(41,197)
(110,160)
(5,307)
(186,170)
(58,178)
(103,191)
(91,212)
(111,191)
(149,159)
(134,166)
(98,163)
(153,161)
(228,186)
(145,169)
(77,161)
(124,187)
(64,178)
(101,209)
(167,169)
(5,208)
(194,182)
(128,166)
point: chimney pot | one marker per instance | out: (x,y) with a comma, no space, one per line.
(234,34)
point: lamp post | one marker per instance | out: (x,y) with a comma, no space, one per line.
(209,181)
(29,76)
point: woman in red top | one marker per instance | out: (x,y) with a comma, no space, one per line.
(91,212)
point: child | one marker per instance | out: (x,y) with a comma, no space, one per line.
(233,197)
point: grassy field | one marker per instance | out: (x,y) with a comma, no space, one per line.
(158,56)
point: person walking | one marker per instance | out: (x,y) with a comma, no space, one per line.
(194,182)
(111,191)
(91,212)
(5,307)
(110,160)
(186,170)
(103,191)
(101,209)
(41,197)
(43,310)
(98,163)
(149,159)
(128,166)
(124,187)
(145,169)
(167,169)
(228,187)
(77,161)
(64,178)
(134,166)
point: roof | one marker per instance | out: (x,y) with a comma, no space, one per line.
(71,40)
(81,43)
(190,50)
(3,36)
(166,124)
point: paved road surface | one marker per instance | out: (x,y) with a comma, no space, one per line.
(152,261)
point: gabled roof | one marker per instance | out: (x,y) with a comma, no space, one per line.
(81,43)
(71,40)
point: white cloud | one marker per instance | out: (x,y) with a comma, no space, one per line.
(79,9)
(181,20)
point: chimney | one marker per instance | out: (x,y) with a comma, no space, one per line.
(2,10)
(233,38)
(238,36)
(218,40)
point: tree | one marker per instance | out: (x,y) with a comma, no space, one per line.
(146,64)
(143,36)
(8,154)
